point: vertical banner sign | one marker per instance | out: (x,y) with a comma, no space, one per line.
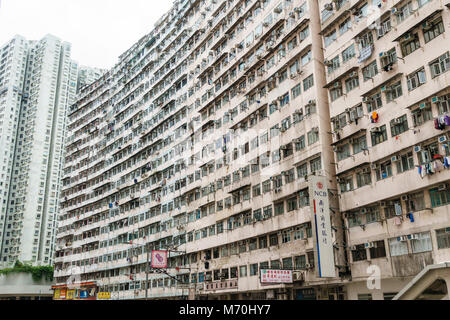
(321,224)
(159,259)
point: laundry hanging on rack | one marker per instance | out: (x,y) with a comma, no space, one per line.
(438,124)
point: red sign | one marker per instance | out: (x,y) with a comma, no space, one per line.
(159,259)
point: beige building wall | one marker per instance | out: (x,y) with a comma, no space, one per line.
(370,206)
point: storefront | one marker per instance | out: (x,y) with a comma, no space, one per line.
(82,291)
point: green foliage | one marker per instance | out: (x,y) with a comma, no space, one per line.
(37,273)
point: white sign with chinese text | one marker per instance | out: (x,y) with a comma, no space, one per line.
(276,276)
(323,240)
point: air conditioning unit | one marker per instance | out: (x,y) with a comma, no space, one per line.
(328,63)
(395,158)
(442,187)
(329,6)
(309,266)
(402,238)
(353,74)
(375,129)
(352,248)
(413,237)
(442,139)
(404,197)
(383,204)
(417,149)
(363,210)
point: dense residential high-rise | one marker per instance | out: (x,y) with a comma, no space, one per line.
(231,138)
(37,85)
(388,84)
(87,75)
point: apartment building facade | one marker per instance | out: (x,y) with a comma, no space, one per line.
(204,140)
(39,84)
(201,142)
(87,75)
(388,91)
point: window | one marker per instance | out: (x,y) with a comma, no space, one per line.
(346,184)
(308,82)
(378,251)
(439,197)
(313,136)
(385,27)
(410,45)
(300,262)
(397,247)
(370,71)
(345,26)
(416,79)
(363,178)
(364,296)
(316,164)
(384,170)
(348,53)
(302,170)
(287,263)
(296,91)
(262,242)
(242,271)
(444,104)
(306,58)
(404,12)
(334,64)
(273,239)
(351,83)
(336,92)
(354,219)
(359,253)
(440,65)
(422,115)
(254,269)
(300,144)
(343,152)
(292,204)
(388,60)
(286,236)
(279,208)
(399,125)
(359,144)
(421,242)
(379,136)
(415,202)
(432,29)
(405,162)
(443,238)
(394,91)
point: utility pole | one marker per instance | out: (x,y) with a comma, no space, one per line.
(147,271)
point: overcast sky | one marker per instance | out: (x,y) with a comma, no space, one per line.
(99,30)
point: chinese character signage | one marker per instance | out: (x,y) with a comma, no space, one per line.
(159,259)
(276,276)
(104,295)
(323,240)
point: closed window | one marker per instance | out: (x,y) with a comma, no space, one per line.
(421,242)
(398,247)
